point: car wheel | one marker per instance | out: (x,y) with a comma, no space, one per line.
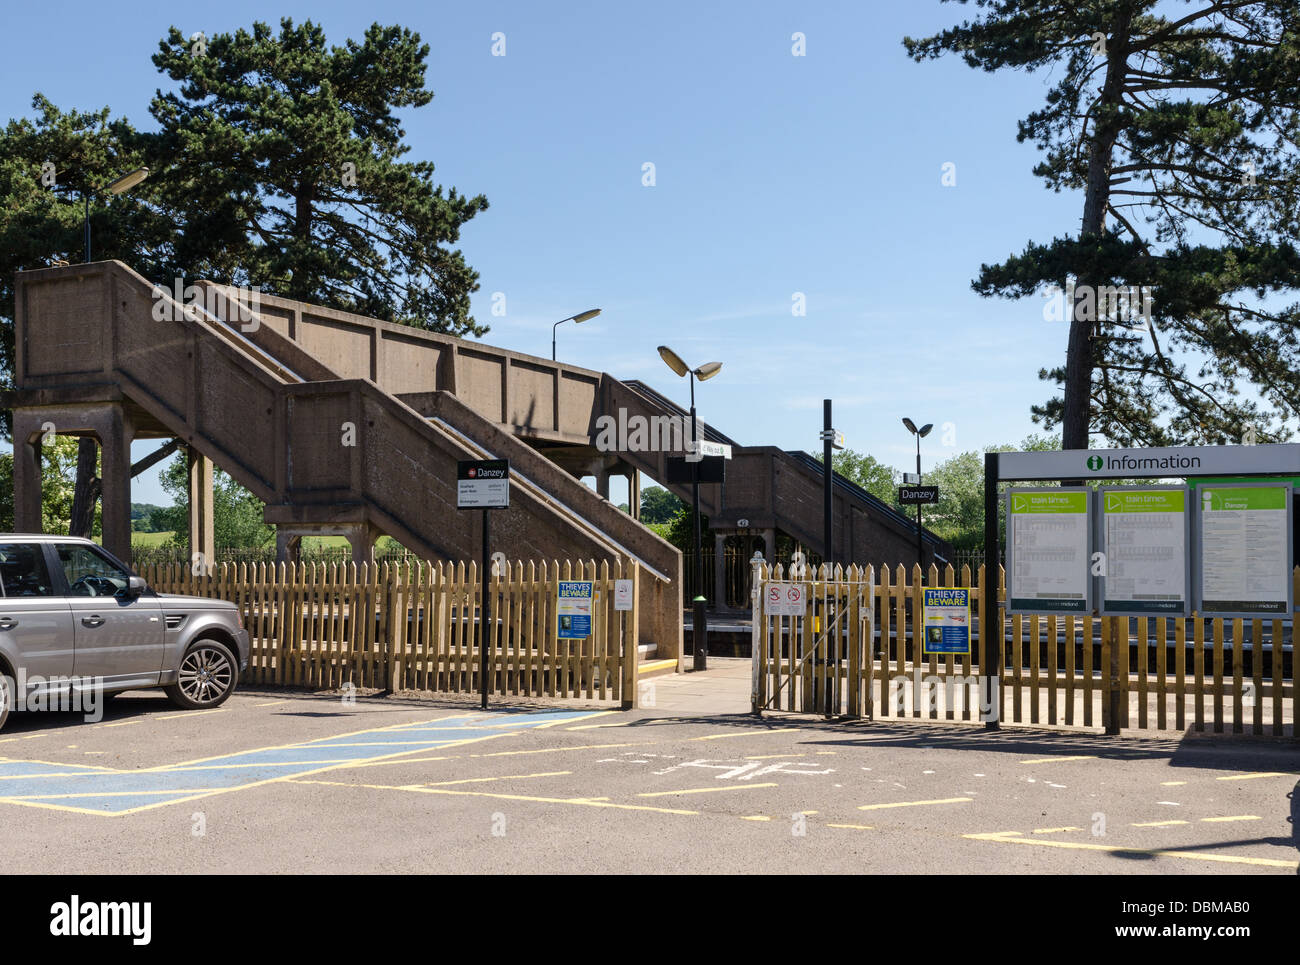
(208,674)
(6,697)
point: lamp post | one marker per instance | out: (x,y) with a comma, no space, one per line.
(123,184)
(920,434)
(699,629)
(576,319)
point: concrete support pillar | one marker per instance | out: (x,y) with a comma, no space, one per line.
(719,571)
(769,546)
(362,540)
(202,532)
(288,545)
(115,433)
(602,482)
(27,471)
(634,493)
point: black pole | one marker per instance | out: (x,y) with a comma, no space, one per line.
(699,628)
(485,620)
(85,197)
(829,476)
(920,560)
(992,632)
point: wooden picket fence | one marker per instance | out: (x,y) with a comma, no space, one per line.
(407,626)
(853,652)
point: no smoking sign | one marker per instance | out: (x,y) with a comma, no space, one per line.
(785,599)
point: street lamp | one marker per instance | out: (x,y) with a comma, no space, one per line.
(920,434)
(123,184)
(700,629)
(576,319)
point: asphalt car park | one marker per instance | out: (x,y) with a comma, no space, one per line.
(280,781)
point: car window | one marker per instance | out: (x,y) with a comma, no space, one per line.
(23,571)
(89,572)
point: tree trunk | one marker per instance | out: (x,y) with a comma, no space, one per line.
(1077,418)
(86,493)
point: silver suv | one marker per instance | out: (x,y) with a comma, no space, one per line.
(77,627)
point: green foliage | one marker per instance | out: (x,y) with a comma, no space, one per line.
(237,513)
(868,472)
(1182,135)
(251,181)
(658,505)
(58,478)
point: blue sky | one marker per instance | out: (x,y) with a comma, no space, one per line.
(774,175)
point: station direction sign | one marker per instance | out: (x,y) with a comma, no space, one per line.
(483,484)
(917,495)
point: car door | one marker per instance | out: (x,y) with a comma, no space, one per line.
(117,636)
(35,622)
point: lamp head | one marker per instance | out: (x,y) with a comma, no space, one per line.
(673,361)
(588,314)
(708,370)
(925,430)
(911,426)
(128,181)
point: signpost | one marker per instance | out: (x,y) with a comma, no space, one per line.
(483,484)
(1047,551)
(947,621)
(917,495)
(1144,567)
(1245,551)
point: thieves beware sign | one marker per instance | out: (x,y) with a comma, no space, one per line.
(483,484)
(914,495)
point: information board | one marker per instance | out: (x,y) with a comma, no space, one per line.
(1244,548)
(573,609)
(1048,543)
(1144,544)
(947,620)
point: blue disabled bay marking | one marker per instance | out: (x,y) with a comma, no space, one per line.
(105,791)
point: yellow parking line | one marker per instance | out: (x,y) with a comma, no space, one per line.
(748,733)
(1172,783)
(769,757)
(1010,837)
(1158,824)
(271,703)
(581,801)
(194,713)
(1251,777)
(570,720)
(121,723)
(913,804)
(706,790)
(756,817)
(620,723)
(1054,830)
(855,827)
(1235,817)
(1055,760)
(480,780)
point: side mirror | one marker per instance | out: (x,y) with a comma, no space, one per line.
(135,585)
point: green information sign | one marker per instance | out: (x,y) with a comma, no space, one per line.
(1245,551)
(1048,540)
(1144,561)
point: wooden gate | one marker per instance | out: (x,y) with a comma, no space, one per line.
(852,651)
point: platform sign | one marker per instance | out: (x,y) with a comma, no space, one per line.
(1244,544)
(916,495)
(483,484)
(1048,543)
(573,609)
(947,621)
(1145,567)
(784,599)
